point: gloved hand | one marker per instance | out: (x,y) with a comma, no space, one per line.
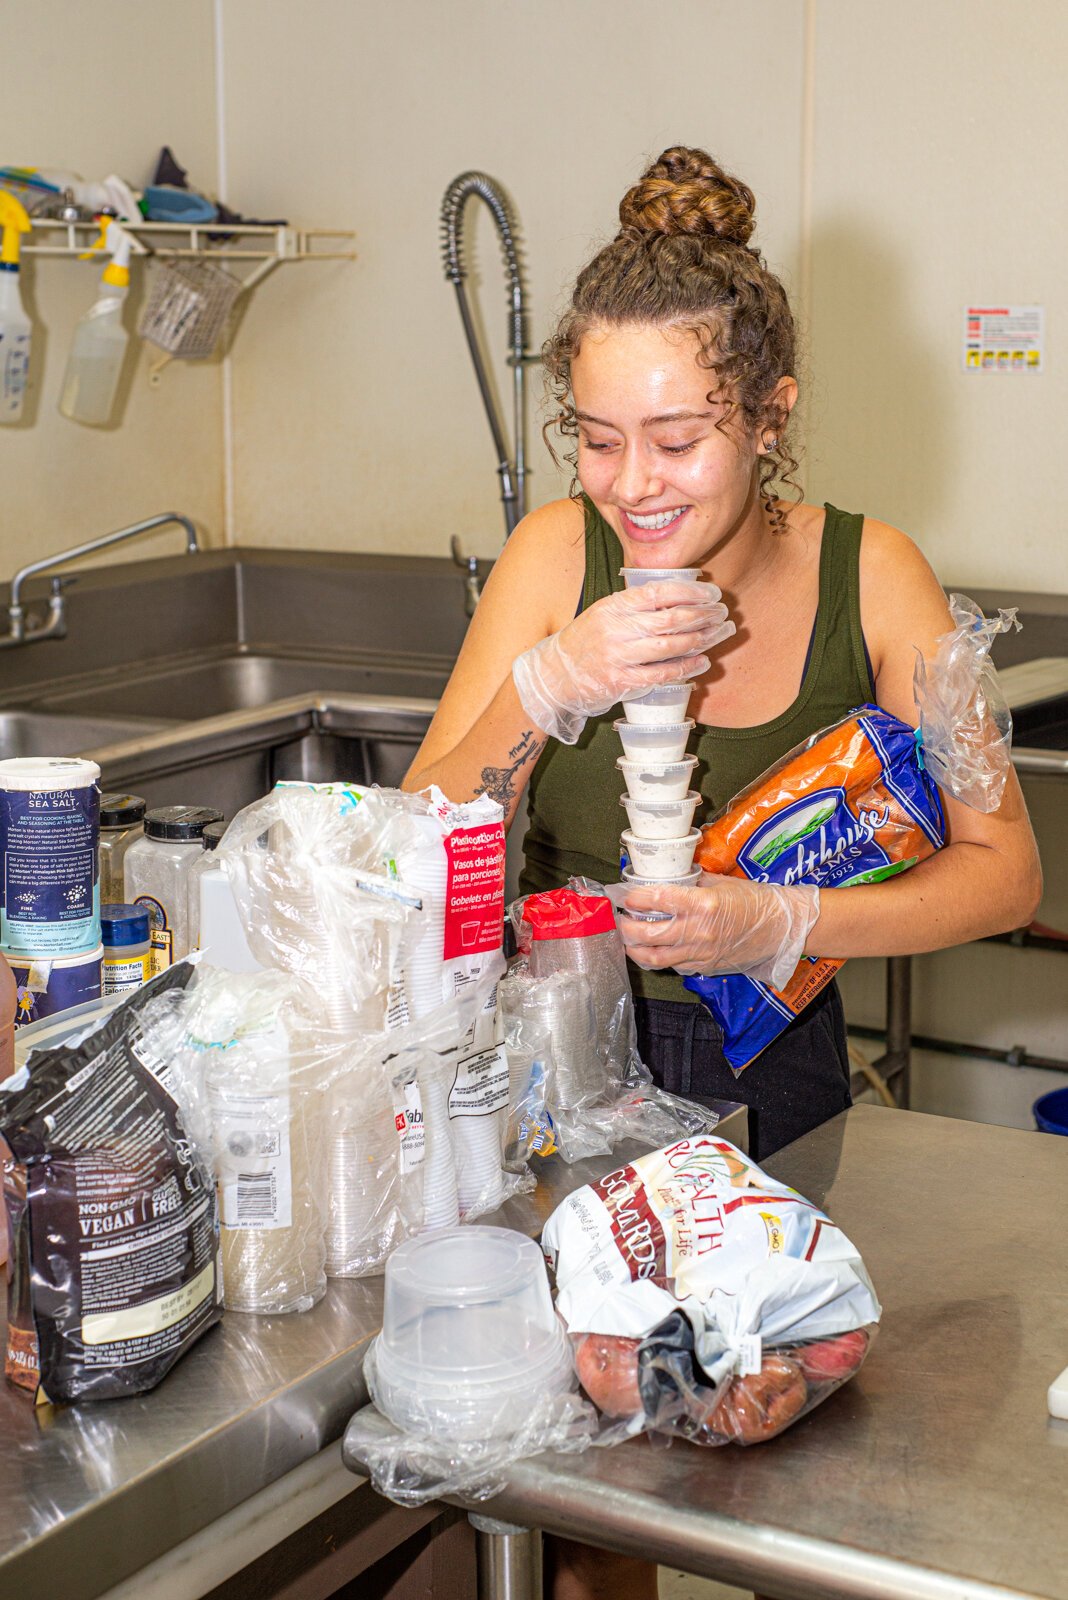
(624,643)
(726,925)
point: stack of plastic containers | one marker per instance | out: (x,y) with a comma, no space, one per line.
(470,1343)
(660,840)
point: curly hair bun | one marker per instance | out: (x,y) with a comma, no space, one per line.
(685,191)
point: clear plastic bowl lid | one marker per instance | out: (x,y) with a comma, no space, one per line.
(467,1305)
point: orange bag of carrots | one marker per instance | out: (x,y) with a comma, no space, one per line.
(853,804)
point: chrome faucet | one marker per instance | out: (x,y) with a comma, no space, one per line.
(54,625)
(472,583)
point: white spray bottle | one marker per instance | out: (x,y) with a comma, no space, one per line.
(15,326)
(100,340)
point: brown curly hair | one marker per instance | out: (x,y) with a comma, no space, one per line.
(682,258)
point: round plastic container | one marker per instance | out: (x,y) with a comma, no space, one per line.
(469,1340)
(660,819)
(636,880)
(663,741)
(661,858)
(49,834)
(156,873)
(666,703)
(635,577)
(127,948)
(657,780)
(1050,1112)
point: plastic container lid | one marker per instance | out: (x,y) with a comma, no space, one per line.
(213,832)
(122,924)
(635,577)
(661,808)
(121,810)
(185,824)
(47,772)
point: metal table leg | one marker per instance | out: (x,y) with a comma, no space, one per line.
(509,1559)
(895,1062)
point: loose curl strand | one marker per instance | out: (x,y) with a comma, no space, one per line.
(682,260)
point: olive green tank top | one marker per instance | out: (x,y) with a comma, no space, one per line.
(573,799)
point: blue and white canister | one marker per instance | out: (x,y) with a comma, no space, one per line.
(49,835)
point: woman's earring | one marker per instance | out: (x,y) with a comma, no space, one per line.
(769,440)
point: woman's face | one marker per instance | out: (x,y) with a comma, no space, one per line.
(670,482)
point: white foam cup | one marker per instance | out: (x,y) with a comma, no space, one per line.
(657,780)
(665,741)
(661,819)
(636,577)
(666,702)
(661,858)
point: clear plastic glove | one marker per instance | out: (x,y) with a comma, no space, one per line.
(622,644)
(965,721)
(726,925)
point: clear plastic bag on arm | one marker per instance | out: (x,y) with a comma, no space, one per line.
(964,718)
(704,1298)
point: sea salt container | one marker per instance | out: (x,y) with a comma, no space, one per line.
(49,833)
(157,872)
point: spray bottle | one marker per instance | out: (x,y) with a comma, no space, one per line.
(100,340)
(14,323)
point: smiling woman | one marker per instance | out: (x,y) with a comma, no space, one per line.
(673,372)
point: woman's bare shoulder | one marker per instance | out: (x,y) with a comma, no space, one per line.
(903,609)
(543,563)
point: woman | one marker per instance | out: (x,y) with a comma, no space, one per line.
(674,372)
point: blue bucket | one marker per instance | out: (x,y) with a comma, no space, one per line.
(1051,1112)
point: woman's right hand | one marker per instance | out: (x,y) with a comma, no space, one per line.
(623,644)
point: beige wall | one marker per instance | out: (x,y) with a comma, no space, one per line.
(357,420)
(940,133)
(88,93)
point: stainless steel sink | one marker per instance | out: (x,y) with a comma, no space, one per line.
(186,691)
(25,733)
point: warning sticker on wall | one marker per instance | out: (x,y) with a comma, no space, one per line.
(1000,338)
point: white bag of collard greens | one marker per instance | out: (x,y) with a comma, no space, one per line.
(705,1298)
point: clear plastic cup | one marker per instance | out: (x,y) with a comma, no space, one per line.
(469,1340)
(661,819)
(664,741)
(661,858)
(657,780)
(666,702)
(636,880)
(635,577)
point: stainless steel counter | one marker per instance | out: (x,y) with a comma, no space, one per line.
(937,1473)
(90,1494)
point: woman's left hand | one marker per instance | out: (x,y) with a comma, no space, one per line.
(727,925)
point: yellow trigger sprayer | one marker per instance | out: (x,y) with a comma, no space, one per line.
(100,340)
(15,326)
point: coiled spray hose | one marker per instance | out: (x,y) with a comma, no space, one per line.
(511,469)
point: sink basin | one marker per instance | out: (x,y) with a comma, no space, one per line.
(187,691)
(26,733)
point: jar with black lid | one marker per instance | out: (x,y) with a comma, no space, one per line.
(157,872)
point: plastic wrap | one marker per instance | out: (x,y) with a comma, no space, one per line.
(964,719)
(388,909)
(704,1298)
(591,1088)
(472,1367)
(853,804)
(241,1060)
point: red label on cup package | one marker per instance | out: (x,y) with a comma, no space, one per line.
(474,896)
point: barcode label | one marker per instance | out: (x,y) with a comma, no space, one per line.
(257,1199)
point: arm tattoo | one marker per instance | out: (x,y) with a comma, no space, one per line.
(499,782)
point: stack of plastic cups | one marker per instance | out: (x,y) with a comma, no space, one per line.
(661,840)
(561,1003)
(425,870)
(441,1198)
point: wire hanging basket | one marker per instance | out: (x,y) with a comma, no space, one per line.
(188,308)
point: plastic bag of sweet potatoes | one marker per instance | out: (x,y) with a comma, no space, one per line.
(704,1299)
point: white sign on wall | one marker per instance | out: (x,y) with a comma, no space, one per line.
(1000,338)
